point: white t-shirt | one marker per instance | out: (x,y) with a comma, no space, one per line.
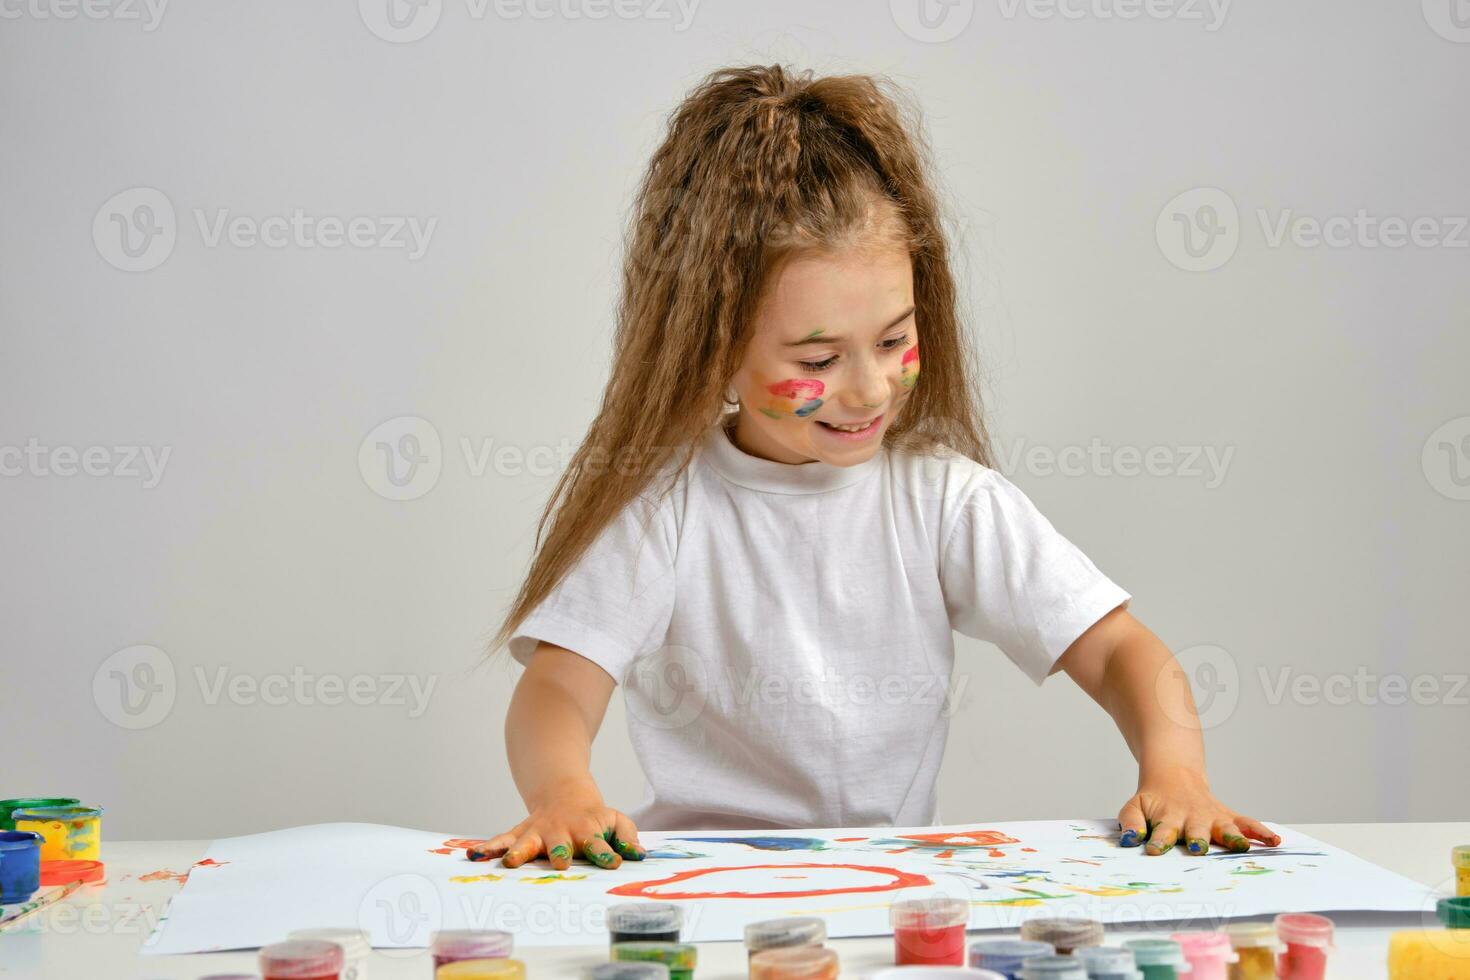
(783,632)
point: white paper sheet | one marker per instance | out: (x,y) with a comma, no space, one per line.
(400,885)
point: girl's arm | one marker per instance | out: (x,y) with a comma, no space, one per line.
(554,715)
(1128,670)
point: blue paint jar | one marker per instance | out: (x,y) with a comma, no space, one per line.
(20,865)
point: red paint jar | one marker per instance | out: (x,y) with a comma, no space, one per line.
(1308,940)
(301,959)
(929,931)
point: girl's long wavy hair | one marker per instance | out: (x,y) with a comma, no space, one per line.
(759,164)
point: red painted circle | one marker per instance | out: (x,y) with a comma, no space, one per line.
(897,879)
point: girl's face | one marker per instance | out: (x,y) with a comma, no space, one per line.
(835,342)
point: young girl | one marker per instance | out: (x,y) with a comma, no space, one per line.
(773,525)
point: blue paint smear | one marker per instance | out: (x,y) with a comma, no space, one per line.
(765,843)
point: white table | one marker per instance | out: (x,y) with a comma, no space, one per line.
(96,933)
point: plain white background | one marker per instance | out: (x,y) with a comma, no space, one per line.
(230,641)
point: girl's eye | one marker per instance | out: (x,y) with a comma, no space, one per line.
(892,344)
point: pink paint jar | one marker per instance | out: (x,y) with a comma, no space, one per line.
(301,959)
(929,931)
(1208,953)
(1308,940)
(453,945)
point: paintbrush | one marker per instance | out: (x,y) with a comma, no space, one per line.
(26,909)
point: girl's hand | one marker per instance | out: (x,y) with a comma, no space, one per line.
(567,825)
(1177,804)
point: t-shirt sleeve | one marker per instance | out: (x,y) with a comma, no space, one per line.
(614,604)
(1012,579)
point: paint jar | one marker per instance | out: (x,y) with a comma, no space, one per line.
(645,922)
(680,958)
(1158,959)
(8,807)
(453,945)
(301,959)
(1005,956)
(1255,946)
(794,963)
(630,971)
(804,930)
(934,973)
(1461,858)
(1065,935)
(929,931)
(20,865)
(1454,913)
(1209,954)
(1053,968)
(1108,963)
(488,969)
(356,948)
(1308,939)
(73,833)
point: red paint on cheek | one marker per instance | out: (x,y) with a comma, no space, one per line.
(910,356)
(797,388)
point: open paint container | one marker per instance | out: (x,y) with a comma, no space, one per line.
(8,807)
(20,865)
(73,833)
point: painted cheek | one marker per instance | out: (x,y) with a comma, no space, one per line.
(910,367)
(798,397)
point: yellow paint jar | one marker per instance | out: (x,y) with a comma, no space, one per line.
(1461,857)
(499,969)
(71,833)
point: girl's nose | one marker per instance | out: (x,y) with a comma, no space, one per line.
(870,385)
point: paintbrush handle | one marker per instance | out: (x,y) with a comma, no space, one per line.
(35,905)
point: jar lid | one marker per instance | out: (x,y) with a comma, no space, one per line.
(300,958)
(354,942)
(472,944)
(1064,933)
(1454,912)
(484,969)
(65,872)
(645,917)
(1155,952)
(794,963)
(1107,960)
(677,956)
(1202,945)
(630,971)
(1251,934)
(1305,929)
(1053,968)
(1006,955)
(929,913)
(805,930)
